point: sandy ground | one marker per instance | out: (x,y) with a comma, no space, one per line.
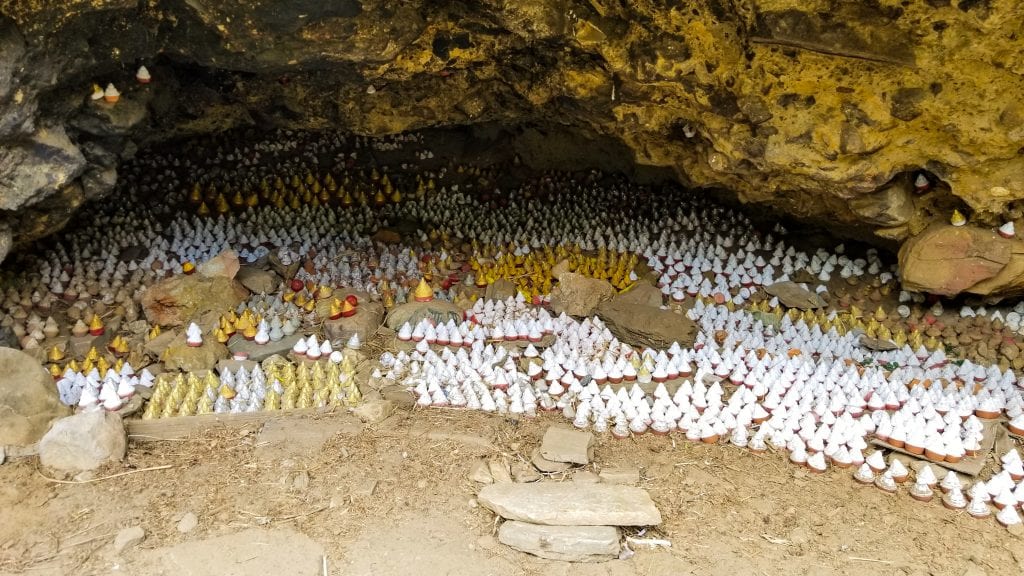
(391,499)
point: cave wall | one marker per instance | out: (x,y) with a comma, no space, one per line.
(821,109)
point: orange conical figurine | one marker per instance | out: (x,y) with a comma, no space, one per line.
(347,309)
(423,292)
(96,326)
(335,309)
(188,268)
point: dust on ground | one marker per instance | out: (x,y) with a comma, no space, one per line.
(392,500)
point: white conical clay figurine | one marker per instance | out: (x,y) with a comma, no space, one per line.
(194,335)
(142,75)
(354,343)
(954,499)
(1008,517)
(1007,230)
(262,333)
(864,474)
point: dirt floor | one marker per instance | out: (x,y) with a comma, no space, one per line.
(394,498)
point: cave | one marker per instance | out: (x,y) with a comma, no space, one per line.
(623,276)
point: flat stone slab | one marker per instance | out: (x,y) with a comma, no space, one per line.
(621,475)
(547,466)
(567,543)
(301,437)
(251,552)
(792,295)
(260,352)
(571,504)
(561,444)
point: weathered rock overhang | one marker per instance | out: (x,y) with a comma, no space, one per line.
(823,110)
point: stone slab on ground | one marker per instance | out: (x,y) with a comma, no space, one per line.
(477,441)
(83,442)
(234,365)
(252,552)
(523,472)
(793,295)
(301,437)
(571,504)
(628,475)
(567,543)
(260,352)
(547,466)
(562,444)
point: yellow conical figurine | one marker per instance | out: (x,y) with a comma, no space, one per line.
(55,371)
(55,355)
(423,292)
(96,326)
(957,219)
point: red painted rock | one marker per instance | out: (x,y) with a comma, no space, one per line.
(949,260)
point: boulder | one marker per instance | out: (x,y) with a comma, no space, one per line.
(223,265)
(103,119)
(793,295)
(566,543)
(179,299)
(28,399)
(374,411)
(643,293)
(84,441)
(500,289)
(181,356)
(366,320)
(641,325)
(413,312)
(571,504)
(257,280)
(948,260)
(578,295)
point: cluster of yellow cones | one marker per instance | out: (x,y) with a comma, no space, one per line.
(297,191)
(532,273)
(283,387)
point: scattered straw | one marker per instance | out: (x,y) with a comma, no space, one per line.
(101,478)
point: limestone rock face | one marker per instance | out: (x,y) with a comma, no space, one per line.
(948,260)
(28,399)
(820,109)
